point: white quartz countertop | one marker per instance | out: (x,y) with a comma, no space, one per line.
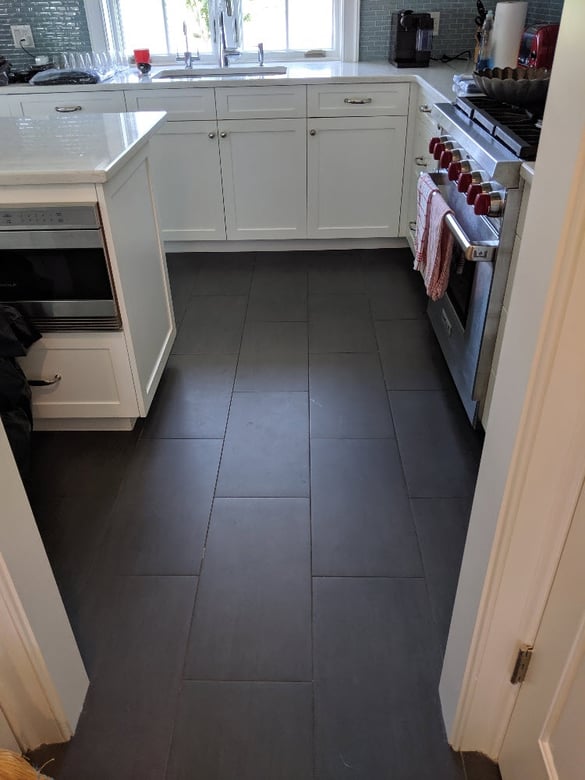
(76,148)
(439,76)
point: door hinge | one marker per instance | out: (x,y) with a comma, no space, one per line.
(522,663)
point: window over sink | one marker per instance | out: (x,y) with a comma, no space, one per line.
(286,28)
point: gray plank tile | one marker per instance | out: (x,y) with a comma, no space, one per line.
(360,513)
(441,526)
(340,323)
(480,767)
(348,397)
(182,269)
(252,619)
(212,325)
(336,272)
(376,701)
(266,450)
(279,288)
(274,356)
(411,357)
(248,731)
(130,708)
(223,273)
(440,451)
(193,398)
(162,512)
(396,291)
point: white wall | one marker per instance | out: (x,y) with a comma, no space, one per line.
(564,125)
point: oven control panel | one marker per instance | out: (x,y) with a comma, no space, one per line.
(65,217)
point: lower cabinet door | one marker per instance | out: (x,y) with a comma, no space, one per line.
(355,173)
(263,163)
(86,375)
(184,161)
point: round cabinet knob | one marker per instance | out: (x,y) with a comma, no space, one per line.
(488,204)
(312,132)
(211,135)
(223,134)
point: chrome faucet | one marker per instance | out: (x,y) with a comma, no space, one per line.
(223,50)
(188,56)
(260,54)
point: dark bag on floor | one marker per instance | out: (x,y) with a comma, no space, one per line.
(16,336)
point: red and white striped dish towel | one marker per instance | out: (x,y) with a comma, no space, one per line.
(433,240)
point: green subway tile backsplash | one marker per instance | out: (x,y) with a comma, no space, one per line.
(57,25)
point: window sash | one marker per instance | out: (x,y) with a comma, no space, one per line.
(106,33)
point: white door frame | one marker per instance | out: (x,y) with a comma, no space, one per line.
(534,453)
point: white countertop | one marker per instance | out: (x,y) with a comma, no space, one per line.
(76,148)
(438,76)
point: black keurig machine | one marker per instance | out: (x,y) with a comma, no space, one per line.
(411,39)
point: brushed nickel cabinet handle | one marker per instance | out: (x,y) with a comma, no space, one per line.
(425,109)
(45,382)
(354,101)
(420,161)
(67,109)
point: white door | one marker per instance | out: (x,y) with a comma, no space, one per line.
(186,178)
(545,739)
(263,164)
(356,167)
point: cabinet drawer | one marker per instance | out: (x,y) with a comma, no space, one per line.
(72,102)
(185,103)
(96,380)
(260,102)
(358,100)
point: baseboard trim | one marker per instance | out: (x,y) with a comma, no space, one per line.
(290,245)
(89,424)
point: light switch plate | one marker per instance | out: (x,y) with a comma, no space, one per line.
(436,18)
(22,35)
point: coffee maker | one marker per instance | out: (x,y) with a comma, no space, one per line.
(411,39)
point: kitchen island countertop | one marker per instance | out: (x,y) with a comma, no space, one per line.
(75,148)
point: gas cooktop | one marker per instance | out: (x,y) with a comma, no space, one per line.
(513,127)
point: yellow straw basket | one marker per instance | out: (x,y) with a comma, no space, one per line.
(15,767)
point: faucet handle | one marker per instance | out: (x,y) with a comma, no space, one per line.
(261,53)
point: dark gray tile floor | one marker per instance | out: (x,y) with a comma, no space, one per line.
(260,576)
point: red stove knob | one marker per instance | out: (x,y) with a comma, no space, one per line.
(476,189)
(432,143)
(454,171)
(445,159)
(438,150)
(464,182)
(488,204)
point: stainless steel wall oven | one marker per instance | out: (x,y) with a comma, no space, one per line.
(54,267)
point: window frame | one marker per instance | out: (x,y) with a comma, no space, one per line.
(104,32)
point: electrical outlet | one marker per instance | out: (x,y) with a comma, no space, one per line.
(22,35)
(436,18)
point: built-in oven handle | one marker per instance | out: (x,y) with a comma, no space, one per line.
(482,251)
(45,382)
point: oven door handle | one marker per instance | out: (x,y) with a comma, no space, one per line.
(481,251)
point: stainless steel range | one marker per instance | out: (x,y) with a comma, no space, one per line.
(479,158)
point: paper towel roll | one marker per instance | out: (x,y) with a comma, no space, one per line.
(507,33)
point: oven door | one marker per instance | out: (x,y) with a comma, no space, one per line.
(59,278)
(459,318)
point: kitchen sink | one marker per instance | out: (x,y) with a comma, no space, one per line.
(233,70)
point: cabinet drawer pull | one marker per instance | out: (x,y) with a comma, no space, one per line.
(420,161)
(223,134)
(354,101)
(412,225)
(312,132)
(211,135)
(67,109)
(425,109)
(45,382)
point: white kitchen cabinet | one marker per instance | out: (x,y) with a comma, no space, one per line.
(355,172)
(186,175)
(420,159)
(359,99)
(265,102)
(55,103)
(263,167)
(88,374)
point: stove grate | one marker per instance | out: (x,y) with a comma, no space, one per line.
(513,127)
